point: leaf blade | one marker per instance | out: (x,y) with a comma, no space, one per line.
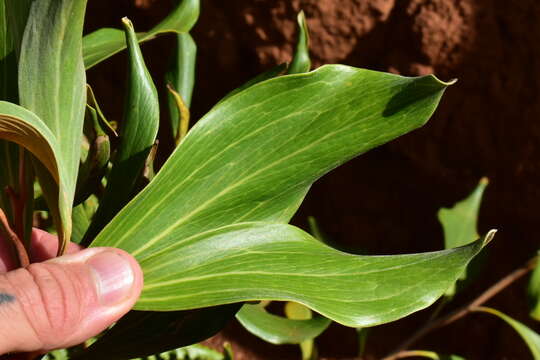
(260,170)
(260,261)
(301,62)
(278,330)
(105,42)
(137,135)
(460,222)
(52,52)
(531,338)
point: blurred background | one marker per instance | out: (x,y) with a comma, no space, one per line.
(385,202)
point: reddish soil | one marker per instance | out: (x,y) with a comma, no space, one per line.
(386,201)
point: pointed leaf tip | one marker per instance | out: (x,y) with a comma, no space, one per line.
(484,181)
(127,23)
(443,83)
(489,236)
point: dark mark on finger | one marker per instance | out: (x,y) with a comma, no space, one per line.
(6,298)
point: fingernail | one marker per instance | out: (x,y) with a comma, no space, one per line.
(114,277)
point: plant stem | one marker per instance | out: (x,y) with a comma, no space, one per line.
(416,353)
(466,309)
(8,233)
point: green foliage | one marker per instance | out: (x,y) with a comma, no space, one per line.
(180,80)
(279,330)
(533,292)
(430,355)
(210,229)
(104,43)
(301,62)
(460,222)
(137,135)
(460,228)
(51,51)
(531,338)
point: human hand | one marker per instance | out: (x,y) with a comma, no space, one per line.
(63,301)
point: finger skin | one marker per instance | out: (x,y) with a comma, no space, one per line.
(57,303)
(43,247)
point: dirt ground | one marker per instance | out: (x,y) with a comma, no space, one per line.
(385,201)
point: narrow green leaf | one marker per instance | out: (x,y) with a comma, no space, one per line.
(529,336)
(180,124)
(256,261)
(460,222)
(143,333)
(52,52)
(279,330)
(301,62)
(533,292)
(428,355)
(104,43)
(137,135)
(460,228)
(181,77)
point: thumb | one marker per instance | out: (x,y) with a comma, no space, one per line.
(64,301)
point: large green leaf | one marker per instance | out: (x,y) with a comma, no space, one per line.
(529,336)
(279,330)
(253,158)
(255,261)
(533,292)
(104,43)
(52,85)
(137,135)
